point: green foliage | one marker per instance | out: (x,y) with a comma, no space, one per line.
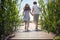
(9,18)
(57,38)
(50,18)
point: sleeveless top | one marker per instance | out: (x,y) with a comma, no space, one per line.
(26,15)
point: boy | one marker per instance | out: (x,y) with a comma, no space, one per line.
(36,12)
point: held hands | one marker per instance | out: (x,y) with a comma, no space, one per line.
(32,14)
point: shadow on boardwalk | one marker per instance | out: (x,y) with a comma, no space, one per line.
(32,34)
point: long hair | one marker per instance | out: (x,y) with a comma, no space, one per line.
(27,8)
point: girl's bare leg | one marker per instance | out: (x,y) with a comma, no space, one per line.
(27,25)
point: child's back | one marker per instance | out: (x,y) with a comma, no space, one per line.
(36,9)
(26,15)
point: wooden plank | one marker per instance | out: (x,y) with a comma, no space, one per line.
(42,35)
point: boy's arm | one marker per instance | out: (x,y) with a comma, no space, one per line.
(32,11)
(40,8)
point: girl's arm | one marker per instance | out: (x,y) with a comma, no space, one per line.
(23,11)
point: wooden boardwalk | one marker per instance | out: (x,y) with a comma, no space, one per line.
(32,34)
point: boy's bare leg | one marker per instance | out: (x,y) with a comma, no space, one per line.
(36,22)
(36,25)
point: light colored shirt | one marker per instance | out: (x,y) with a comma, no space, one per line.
(36,9)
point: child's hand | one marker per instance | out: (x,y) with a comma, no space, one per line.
(32,14)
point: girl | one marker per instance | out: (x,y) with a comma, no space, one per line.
(26,12)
